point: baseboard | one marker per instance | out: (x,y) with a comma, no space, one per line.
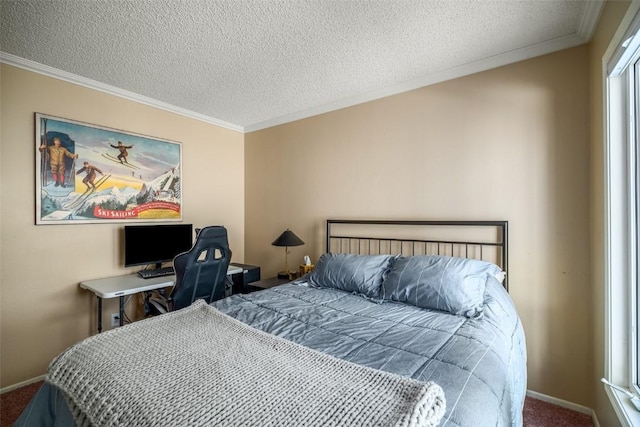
(22,384)
(565,404)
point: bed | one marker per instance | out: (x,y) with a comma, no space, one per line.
(399,323)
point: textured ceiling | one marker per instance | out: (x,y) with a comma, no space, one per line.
(251,64)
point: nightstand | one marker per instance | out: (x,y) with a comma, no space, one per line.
(265,284)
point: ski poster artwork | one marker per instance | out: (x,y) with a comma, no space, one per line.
(87,173)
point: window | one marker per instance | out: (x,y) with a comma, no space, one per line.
(622,214)
(635,255)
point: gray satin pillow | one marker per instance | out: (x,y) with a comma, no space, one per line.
(451,284)
(353,273)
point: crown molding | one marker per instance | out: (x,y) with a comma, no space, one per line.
(439,77)
(48,71)
(589,20)
(585,30)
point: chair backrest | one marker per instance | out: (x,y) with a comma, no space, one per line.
(201,272)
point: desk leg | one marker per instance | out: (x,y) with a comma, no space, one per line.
(121,313)
(99,314)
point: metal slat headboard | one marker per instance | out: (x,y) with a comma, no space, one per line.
(379,245)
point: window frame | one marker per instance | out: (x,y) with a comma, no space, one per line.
(633,105)
(622,107)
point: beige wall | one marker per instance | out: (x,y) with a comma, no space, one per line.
(609,21)
(42,309)
(510,143)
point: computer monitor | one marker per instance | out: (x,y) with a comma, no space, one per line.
(155,244)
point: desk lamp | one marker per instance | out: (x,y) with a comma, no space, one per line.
(286,239)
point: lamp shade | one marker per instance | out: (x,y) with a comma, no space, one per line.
(288,238)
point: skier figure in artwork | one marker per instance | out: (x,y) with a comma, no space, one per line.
(123,151)
(91,175)
(56,160)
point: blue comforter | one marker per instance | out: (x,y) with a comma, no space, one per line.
(479,362)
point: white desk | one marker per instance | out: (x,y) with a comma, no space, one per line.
(120,286)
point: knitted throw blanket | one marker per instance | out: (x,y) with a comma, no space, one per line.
(200,367)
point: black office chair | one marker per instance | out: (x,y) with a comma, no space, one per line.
(201,272)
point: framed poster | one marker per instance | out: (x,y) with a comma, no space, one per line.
(92,174)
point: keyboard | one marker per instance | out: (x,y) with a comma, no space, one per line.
(156,272)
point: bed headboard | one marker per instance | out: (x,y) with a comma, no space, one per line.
(485,240)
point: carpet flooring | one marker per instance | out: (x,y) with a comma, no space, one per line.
(536,413)
(13,402)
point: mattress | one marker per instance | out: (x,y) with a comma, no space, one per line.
(480,363)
